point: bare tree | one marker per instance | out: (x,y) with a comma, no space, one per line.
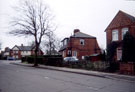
(52,44)
(58,44)
(32,43)
(35,19)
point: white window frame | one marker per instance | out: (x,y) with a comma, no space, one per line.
(83,57)
(16,51)
(74,54)
(124,31)
(115,35)
(81,41)
(17,56)
(65,42)
(119,54)
(69,52)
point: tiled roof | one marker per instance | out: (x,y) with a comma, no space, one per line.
(82,35)
(121,19)
(76,35)
(25,48)
(132,18)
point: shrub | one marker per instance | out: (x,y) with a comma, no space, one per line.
(53,60)
(111,50)
(128,48)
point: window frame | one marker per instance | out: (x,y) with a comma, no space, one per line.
(65,42)
(69,52)
(115,35)
(74,54)
(82,42)
(16,51)
(123,31)
(119,54)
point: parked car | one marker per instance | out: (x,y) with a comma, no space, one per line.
(10,58)
(70,59)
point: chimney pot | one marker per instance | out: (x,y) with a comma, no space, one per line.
(76,30)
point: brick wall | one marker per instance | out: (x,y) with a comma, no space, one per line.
(90,46)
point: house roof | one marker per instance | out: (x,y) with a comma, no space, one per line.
(7,49)
(121,19)
(82,35)
(76,35)
(25,48)
(64,39)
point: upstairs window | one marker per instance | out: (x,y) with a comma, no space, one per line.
(124,31)
(115,35)
(81,41)
(16,51)
(65,42)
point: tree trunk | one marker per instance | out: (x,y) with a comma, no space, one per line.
(36,54)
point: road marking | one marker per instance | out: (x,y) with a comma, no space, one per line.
(46,77)
(93,88)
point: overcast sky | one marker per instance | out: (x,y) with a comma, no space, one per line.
(90,16)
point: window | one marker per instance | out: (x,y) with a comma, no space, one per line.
(69,52)
(16,56)
(82,41)
(16,51)
(65,42)
(119,54)
(74,53)
(83,57)
(124,31)
(115,35)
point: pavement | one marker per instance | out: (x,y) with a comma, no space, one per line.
(113,76)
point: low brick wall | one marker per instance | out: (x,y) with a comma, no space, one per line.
(127,68)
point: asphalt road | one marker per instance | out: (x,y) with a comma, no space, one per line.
(15,78)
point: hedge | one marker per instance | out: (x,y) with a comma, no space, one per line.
(53,60)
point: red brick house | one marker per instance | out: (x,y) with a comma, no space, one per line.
(79,45)
(7,52)
(116,30)
(21,51)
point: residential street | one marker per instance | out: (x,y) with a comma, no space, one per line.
(15,78)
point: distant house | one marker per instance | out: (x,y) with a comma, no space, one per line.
(22,51)
(7,52)
(79,45)
(116,30)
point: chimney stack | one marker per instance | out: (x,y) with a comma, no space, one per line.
(21,45)
(76,30)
